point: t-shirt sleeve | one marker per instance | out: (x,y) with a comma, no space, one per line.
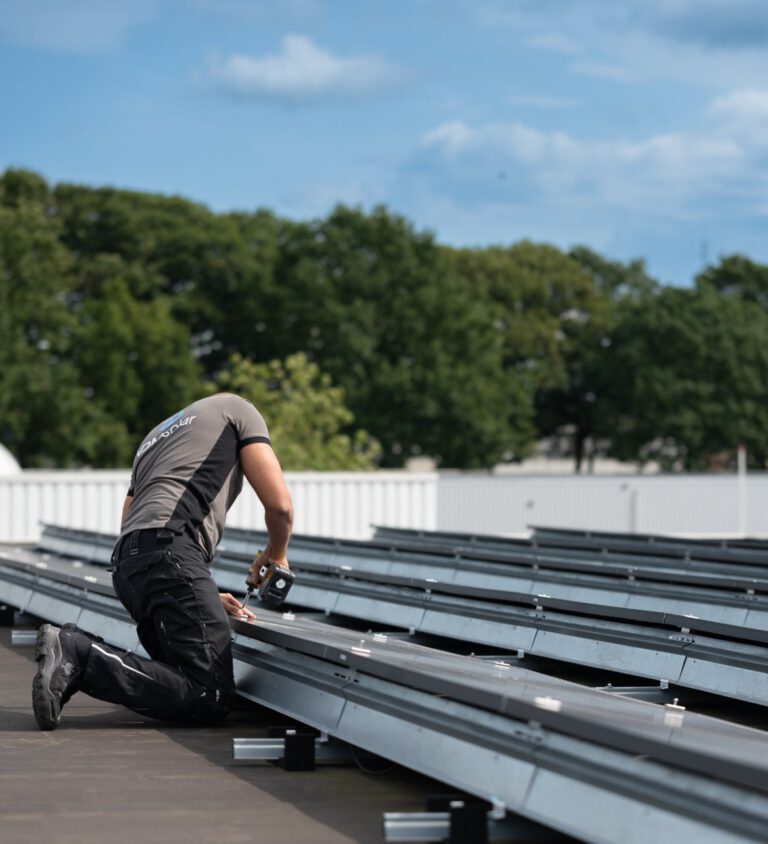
(131,491)
(249,424)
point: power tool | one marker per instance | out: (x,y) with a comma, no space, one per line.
(271,581)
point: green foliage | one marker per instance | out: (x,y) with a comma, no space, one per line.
(43,409)
(613,279)
(584,404)
(689,379)
(213,267)
(86,363)
(541,299)
(736,275)
(382,309)
(117,307)
(140,340)
(553,315)
(304,411)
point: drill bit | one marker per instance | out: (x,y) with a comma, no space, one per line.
(248,593)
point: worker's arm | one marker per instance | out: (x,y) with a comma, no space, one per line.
(262,471)
(126,508)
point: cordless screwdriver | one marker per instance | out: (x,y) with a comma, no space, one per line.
(271,581)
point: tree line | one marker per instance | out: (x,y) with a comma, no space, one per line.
(365,340)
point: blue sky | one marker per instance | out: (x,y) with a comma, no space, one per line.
(639,128)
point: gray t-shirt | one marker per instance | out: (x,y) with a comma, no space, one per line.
(186,473)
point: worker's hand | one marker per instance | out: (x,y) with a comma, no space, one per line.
(234,607)
(264,558)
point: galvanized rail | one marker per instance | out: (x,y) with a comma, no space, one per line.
(671,572)
(622,600)
(670,648)
(641,544)
(684,555)
(629,596)
(740,603)
(583,762)
(683,570)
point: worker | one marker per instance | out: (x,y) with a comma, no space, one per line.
(187,473)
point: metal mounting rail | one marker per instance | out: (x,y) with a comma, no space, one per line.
(726,615)
(581,761)
(650,544)
(685,651)
(92,546)
(230,570)
(521,556)
(687,556)
(54,585)
(525,560)
(740,608)
(737,606)
(717,666)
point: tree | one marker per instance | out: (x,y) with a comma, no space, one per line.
(133,356)
(382,309)
(736,275)
(23,187)
(552,317)
(690,379)
(305,413)
(46,417)
(616,280)
(214,268)
(585,403)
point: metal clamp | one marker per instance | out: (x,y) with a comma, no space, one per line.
(297,751)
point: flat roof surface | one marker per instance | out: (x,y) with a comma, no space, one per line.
(107,774)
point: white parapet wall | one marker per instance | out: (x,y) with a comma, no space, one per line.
(347,504)
(80,499)
(704,505)
(343,504)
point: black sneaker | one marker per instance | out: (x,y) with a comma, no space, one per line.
(57,675)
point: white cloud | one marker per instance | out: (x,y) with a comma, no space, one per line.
(707,43)
(72,25)
(745,113)
(303,71)
(667,174)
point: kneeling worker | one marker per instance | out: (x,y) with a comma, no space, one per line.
(187,473)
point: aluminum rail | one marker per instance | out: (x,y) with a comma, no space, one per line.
(648,544)
(514,552)
(752,581)
(580,761)
(236,552)
(667,654)
(669,648)
(688,556)
(742,607)
(230,569)
(629,589)
(93,546)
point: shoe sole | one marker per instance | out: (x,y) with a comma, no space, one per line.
(48,655)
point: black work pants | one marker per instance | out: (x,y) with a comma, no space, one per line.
(163,581)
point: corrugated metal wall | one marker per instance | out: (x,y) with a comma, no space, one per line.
(341,504)
(90,499)
(684,504)
(346,504)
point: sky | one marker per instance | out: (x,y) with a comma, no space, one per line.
(638,128)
